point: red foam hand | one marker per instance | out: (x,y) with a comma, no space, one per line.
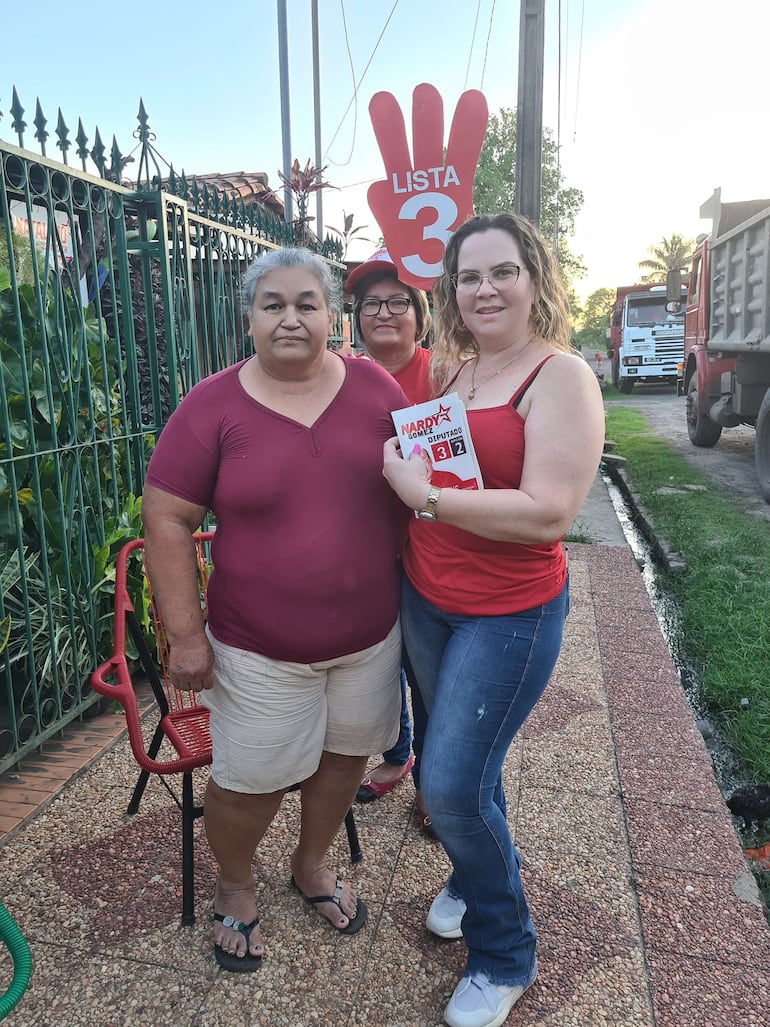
(424,199)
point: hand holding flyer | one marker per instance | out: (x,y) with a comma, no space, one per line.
(440,428)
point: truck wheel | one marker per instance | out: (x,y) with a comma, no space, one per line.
(762,447)
(626,385)
(702,430)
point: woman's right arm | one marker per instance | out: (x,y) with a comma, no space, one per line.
(169,523)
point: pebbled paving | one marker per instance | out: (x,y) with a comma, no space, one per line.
(646,911)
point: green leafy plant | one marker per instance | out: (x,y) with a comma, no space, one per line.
(119,530)
(25,257)
(60,476)
(348,232)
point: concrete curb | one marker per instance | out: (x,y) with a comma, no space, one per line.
(672,561)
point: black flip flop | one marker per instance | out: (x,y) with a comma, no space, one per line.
(246,963)
(354,924)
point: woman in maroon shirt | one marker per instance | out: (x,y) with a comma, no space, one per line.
(299,662)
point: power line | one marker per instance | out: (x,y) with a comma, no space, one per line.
(355,91)
(356,87)
(486,45)
(473,40)
(580,57)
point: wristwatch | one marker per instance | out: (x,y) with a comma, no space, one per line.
(428,512)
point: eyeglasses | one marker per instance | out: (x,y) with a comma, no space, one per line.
(394,305)
(500,278)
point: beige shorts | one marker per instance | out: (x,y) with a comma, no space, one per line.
(271,720)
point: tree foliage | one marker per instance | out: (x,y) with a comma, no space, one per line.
(495,186)
(672,254)
(593,319)
(25,256)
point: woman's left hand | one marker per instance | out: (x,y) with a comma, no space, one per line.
(409,474)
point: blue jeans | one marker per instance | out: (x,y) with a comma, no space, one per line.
(411,735)
(480,678)
(399,754)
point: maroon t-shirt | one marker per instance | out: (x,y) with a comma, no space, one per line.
(308,530)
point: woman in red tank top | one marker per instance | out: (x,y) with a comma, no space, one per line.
(486,589)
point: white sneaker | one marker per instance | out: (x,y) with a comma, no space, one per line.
(445,916)
(477,1002)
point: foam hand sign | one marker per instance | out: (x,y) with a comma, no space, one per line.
(424,199)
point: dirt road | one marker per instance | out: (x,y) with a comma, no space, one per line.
(730,463)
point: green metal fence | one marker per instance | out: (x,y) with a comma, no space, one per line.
(114,300)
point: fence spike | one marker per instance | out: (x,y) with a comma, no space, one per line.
(62,133)
(18,124)
(82,140)
(97,154)
(117,162)
(40,121)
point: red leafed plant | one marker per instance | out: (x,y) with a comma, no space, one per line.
(303,182)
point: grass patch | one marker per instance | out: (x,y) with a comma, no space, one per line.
(724,594)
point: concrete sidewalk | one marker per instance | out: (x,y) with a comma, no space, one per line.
(646,910)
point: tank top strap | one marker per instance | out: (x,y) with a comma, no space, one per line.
(519,394)
(453,379)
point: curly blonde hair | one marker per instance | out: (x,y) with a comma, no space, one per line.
(549,317)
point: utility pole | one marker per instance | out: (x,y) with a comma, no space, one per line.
(319,220)
(529,111)
(283,64)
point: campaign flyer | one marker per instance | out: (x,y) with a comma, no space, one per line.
(440,426)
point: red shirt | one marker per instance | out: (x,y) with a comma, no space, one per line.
(414,379)
(308,530)
(463,573)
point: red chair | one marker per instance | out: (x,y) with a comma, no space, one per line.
(183,723)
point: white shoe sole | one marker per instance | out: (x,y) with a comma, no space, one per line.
(436,924)
(496,1021)
(456,932)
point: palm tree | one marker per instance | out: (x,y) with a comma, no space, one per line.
(672,254)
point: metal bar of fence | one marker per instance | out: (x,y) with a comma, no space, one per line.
(113,303)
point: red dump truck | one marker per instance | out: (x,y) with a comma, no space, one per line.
(726,374)
(645,339)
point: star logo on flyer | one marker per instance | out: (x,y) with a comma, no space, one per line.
(443,414)
(425,197)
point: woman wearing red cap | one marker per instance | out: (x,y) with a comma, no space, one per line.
(392,320)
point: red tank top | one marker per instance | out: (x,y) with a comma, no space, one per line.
(463,573)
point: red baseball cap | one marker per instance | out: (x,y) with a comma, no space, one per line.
(379,261)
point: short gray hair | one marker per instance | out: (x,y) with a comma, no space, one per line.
(290,256)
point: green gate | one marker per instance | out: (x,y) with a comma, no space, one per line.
(114,300)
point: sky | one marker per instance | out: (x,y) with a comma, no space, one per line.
(655,103)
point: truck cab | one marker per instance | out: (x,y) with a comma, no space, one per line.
(647,338)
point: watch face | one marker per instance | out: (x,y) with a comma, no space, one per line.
(426,515)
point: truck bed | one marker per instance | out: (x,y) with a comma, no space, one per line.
(740,285)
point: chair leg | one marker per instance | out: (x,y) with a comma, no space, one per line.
(355,848)
(144,776)
(188,854)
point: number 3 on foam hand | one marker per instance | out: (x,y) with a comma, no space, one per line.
(441,228)
(448,172)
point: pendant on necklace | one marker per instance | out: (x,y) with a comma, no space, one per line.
(471,394)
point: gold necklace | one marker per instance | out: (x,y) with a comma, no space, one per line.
(474,386)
